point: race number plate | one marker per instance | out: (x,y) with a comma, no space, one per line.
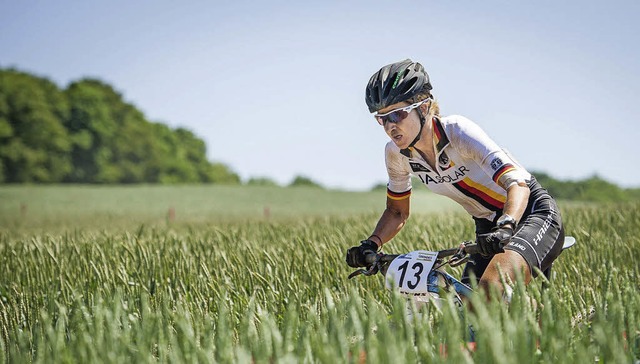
(409,272)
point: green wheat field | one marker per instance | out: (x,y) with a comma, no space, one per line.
(190,274)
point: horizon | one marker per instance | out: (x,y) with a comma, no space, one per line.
(554,92)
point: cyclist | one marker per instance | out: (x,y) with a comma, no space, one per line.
(517,223)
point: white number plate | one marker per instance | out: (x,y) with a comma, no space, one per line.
(409,272)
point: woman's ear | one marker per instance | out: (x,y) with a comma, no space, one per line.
(424,108)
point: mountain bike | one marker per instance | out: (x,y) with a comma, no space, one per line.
(420,274)
(420,277)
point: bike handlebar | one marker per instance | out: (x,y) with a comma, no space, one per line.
(459,256)
(472,248)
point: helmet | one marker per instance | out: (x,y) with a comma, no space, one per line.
(395,83)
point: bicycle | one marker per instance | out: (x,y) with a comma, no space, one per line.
(419,274)
(420,277)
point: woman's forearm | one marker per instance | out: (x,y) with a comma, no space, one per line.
(390,223)
(517,200)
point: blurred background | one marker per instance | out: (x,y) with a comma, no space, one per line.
(273,91)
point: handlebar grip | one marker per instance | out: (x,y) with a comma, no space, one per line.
(472,248)
(370,258)
(447,252)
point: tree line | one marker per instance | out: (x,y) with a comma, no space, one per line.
(591,189)
(87,133)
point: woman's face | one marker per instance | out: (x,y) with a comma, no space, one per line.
(405,131)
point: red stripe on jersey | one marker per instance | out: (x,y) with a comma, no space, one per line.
(504,169)
(480,196)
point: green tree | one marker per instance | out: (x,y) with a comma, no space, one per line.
(135,148)
(93,128)
(192,161)
(89,134)
(34,144)
(164,160)
(222,174)
(261,181)
(599,190)
(304,181)
(192,152)
(115,143)
(591,189)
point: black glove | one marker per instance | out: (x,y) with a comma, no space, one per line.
(495,241)
(355,255)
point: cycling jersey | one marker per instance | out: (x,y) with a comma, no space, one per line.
(469,168)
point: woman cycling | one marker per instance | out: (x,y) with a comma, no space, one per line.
(518,224)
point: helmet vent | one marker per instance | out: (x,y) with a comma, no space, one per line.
(389,86)
(411,83)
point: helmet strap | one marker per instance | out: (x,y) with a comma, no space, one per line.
(422,122)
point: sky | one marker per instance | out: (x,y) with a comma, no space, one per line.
(276,88)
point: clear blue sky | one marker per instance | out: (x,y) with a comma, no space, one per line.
(276,88)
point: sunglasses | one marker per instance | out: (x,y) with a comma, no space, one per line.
(397,115)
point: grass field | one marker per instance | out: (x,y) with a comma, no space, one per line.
(103,207)
(98,274)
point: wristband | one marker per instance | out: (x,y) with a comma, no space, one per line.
(377,237)
(505,220)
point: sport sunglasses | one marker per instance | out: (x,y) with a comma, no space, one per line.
(397,115)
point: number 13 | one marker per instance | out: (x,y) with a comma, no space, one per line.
(418,267)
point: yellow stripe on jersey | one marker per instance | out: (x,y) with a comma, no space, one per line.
(491,193)
(502,171)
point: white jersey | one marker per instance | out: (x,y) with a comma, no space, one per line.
(470,167)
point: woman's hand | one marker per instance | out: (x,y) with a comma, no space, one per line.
(495,241)
(356,254)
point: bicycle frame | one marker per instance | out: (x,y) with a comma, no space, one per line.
(435,287)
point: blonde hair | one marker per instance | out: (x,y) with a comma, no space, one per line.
(434,109)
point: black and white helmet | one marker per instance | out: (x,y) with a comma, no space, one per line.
(395,83)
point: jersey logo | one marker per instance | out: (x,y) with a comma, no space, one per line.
(417,167)
(443,160)
(496,163)
(453,177)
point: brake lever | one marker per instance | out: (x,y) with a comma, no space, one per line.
(357,273)
(456,261)
(367,272)
(460,257)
